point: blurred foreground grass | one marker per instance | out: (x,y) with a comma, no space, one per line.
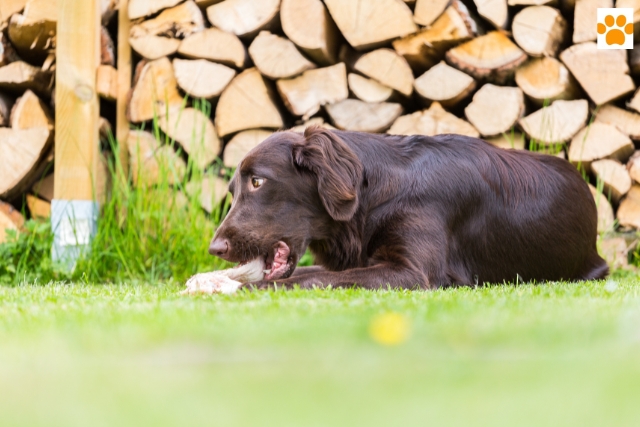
(140,355)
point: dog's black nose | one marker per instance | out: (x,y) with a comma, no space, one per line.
(219,247)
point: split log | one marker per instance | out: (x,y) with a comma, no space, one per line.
(158,37)
(558,123)
(245,18)
(539,30)
(546,79)
(10,219)
(20,76)
(368,25)
(107,48)
(615,252)
(154,47)
(107,82)
(276,57)
(316,121)
(625,121)
(30,112)
(142,8)
(39,209)
(427,11)
(615,179)
(603,74)
(211,192)
(492,57)
(494,11)
(8,8)
(194,132)
(33,32)
(606,220)
(152,163)
(43,188)
(247,103)
(388,68)
(7,52)
(318,37)
(633,166)
(428,47)
(241,144)
(177,22)
(434,121)
(6,104)
(368,90)
(508,141)
(356,115)
(155,91)
(21,150)
(215,45)
(495,110)
(444,84)
(201,78)
(304,95)
(585,19)
(599,141)
(629,209)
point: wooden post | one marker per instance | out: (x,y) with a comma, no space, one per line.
(124,84)
(74,210)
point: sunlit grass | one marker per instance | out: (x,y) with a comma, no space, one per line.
(558,354)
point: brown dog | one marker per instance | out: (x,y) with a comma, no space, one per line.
(408,212)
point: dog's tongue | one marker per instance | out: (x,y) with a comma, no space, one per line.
(280,262)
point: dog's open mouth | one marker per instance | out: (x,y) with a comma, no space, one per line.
(277,262)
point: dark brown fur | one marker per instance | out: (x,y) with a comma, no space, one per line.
(412,211)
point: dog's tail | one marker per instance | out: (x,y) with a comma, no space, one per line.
(595,268)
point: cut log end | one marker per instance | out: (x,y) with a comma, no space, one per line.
(444,84)
(431,122)
(492,57)
(556,124)
(276,57)
(356,115)
(247,103)
(495,110)
(304,95)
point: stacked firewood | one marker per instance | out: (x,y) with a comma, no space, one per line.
(522,74)
(27,105)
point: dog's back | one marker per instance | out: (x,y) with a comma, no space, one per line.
(507,215)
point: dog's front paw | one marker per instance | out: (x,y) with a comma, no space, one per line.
(211,283)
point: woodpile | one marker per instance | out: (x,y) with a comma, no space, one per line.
(214,78)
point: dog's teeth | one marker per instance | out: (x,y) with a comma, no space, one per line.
(267,271)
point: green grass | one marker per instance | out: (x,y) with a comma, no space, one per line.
(119,347)
(140,355)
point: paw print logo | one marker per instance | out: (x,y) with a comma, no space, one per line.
(615,28)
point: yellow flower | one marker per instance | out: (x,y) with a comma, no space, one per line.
(390,329)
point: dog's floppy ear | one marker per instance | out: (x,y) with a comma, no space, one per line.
(337,169)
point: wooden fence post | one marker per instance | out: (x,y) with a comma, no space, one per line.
(74,209)
(124,84)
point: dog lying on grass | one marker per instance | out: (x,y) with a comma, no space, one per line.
(406,212)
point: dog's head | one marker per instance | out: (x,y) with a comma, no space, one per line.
(286,193)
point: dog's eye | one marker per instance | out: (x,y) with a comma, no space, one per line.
(257,182)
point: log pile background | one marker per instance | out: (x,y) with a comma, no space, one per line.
(522,74)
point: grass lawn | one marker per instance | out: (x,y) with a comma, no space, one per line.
(140,355)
